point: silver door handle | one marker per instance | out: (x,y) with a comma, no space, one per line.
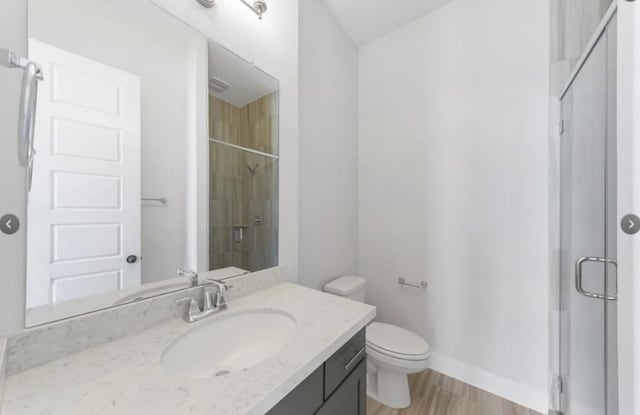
(590,294)
(27,119)
(28,99)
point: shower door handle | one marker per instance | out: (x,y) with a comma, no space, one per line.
(590,294)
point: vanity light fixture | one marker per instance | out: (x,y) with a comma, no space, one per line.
(207,3)
(259,7)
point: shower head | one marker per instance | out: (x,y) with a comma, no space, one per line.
(253,169)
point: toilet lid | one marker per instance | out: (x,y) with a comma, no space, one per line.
(396,341)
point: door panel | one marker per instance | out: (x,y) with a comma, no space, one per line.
(82,285)
(84,206)
(84,140)
(588,226)
(583,234)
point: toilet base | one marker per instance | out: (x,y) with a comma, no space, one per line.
(390,388)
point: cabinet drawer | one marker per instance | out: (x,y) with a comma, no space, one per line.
(305,399)
(343,362)
(351,396)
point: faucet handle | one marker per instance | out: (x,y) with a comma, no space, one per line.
(194,307)
(220,300)
(209,303)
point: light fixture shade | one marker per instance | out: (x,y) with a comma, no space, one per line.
(207,3)
(259,7)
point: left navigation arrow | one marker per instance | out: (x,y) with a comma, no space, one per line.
(9,224)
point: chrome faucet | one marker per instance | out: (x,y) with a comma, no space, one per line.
(192,276)
(221,300)
(210,305)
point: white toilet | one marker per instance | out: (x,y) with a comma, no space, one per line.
(393,352)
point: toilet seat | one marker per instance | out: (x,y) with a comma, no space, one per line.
(396,342)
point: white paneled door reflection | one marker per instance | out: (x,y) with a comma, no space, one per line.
(84,206)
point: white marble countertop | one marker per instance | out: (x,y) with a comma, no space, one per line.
(124,376)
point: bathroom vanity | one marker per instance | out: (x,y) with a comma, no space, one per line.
(319,368)
(338,387)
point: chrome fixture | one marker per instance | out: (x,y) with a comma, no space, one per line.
(192,276)
(590,294)
(28,98)
(221,297)
(196,313)
(259,7)
(421,284)
(253,169)
(210,305)
(162,200)
(207,3)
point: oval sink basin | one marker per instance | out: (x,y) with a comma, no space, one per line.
(228,343)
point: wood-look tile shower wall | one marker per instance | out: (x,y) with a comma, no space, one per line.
(243,185)
(252,126)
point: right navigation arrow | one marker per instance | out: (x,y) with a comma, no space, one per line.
(630,224)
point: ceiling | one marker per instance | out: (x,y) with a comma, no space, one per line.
(366,20)
(246,82)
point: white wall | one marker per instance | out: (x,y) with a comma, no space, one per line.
(272,44)
(160,53)
(453,176)
(328,147)
(13,195)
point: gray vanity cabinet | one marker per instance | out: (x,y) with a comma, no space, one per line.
(351,396)
(337,387)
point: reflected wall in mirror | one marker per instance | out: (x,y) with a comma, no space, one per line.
(142,124)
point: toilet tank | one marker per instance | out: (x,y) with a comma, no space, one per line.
(348,286)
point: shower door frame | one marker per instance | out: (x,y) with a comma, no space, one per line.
(628,137)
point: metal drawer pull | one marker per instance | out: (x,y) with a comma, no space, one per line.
(354,360)
(590,294)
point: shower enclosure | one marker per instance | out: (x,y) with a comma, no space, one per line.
(587,287)
(243,183)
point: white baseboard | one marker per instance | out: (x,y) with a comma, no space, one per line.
(517,392)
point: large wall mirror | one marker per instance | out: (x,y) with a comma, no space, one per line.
(156,149)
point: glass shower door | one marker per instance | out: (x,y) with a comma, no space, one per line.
(587,238)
